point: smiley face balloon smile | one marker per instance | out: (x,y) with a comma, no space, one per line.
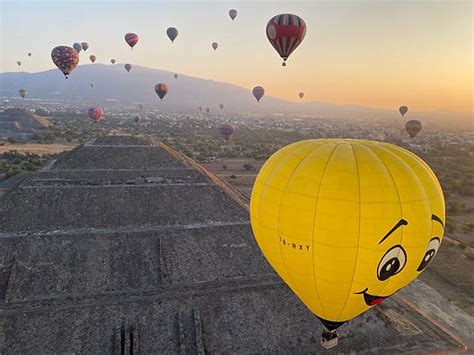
(346,223)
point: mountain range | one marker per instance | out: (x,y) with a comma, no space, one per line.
(112,83)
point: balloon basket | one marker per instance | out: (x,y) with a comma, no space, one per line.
(329,339)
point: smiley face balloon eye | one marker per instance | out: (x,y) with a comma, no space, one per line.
(392,263)
(430,253)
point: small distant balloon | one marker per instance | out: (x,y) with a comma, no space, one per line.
(91,85)
(258,92)
(221,106)
(65,58)
(92,58)
(131,39)
(215,45)
(172,33)
(413,127)
(226,130)
(301,94)
(137,118)
(96,113)
(29,54)
(233,14)
(403,110)
(23,93)
(141,107)
(112,61)
(208,110)
(285,33)
(175,76)
(127,67)
(161,90)
(77,46)
(200,108)
(18,63)
(84,46)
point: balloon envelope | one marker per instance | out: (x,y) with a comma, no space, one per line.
(131,39)
(172,33)
(65,58)
(22,93)
(112,61)
(301,95)
(84,45)
(18,63)
(233,13)
(215,45)
(77,46)
(413,127)
(96,113)
(258,92)
(176,76)
(285,33)
(346,223)
(127,67)
(226,130)
(29,54)
(92,58)
(403,110)
(221,106)
(161,90)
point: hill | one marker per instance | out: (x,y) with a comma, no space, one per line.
(18,121)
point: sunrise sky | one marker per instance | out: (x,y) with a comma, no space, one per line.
(369,52)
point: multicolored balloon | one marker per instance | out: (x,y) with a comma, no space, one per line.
(112,61)
(233,14)
(96,113)
(285,33)
(301,94)
(226,130)
(131,39)
(403,110)
(127,67)
(92,58)
(258,92)
(215,45)
(413,127)
(161,90)
(172,33)
(77,46)
(23,93)
(84,45)
(65,58)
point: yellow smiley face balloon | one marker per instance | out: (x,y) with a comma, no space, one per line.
(346,223)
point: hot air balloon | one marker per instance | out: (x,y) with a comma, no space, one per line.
(91,85)
(23,93)
(233,14)
(18,63)
(285,33)
(137,118)
(161,90)
(258,92)
(141,107)
(226,130)
(127,67)
(221,106)
(200,108)
(65,58)
(208,110)
(112,61)
(96,113)
(413,127)
(175,76)
(77,46)
(403,110)
(131,39)
(346,223)
(215,45)
(172,33)
(29,54)
(92,58)
(301,94)
(84,45)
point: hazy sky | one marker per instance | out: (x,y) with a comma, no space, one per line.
(370,52)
